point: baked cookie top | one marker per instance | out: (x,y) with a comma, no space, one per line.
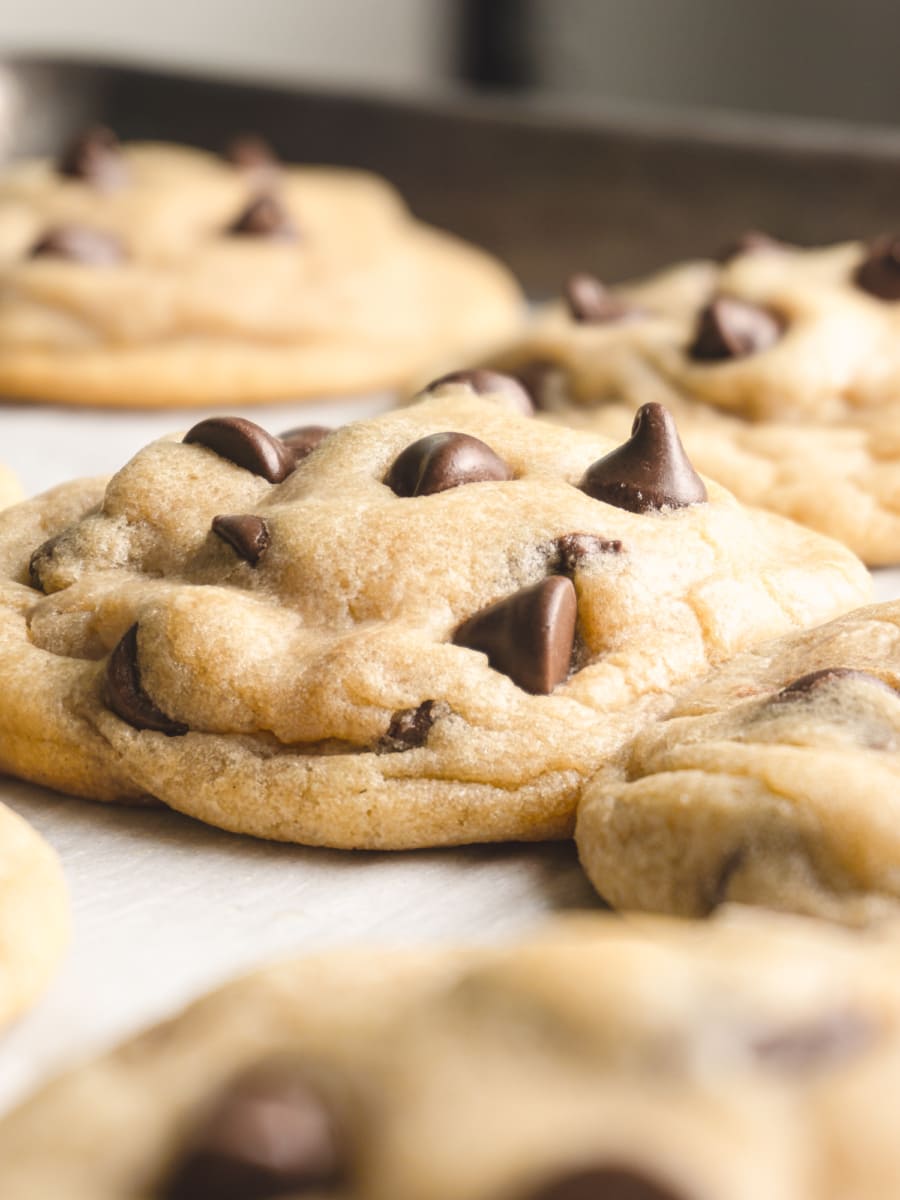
(429,629)
(155,274)
(34,914)
(622,1060)
(774,781)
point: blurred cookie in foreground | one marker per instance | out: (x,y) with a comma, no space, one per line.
(10,488)
(427,628)
(774,781)
(158,275)
(638,1059)
(781,365)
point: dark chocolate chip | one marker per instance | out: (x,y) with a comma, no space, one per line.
(96,157)
(409,728)
(650,471)
(246,444)
(806,684)
(247,535)
(545,382)
(879,272)
(528,636)
(606,1183)
(570,551)
(752,241)
(304,438)
(730,328)
(126,696)
(265,217)
(78,243)
(832,1038)
(250,152)
(592,303)
(489,383)
(272,1135)
(442,461)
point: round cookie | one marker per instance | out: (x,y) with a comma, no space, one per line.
(774,781)
(430,629)
(158,275)
(623,1060)
(780,365)
(34,922)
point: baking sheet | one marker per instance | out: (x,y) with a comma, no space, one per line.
(165,907)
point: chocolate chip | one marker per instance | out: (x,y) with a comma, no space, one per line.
(606,1183)
(829,1039)
(592,303)
(650,471)
(265,217)
(250,152)
(78,243)
(569,552)
(806,684)
(272,1135)
(247,535)
(528,636)
(304,438)
(489,383)
(545,382)
(409,728)
(879,272)
(246,444)
(442,461)
(126,696)
(752,241)
(730,328)
(96,157)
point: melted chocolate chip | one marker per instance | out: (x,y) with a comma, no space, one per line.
(489,383)
(648,472)
(606,1183)
(250,152)
(528,636)
(442,461)
(807,684)
(879,272)
(247,535)
(752,241)
(78,243)
(246,444)
(265,217)
(409,728)
(272,1135)
(571,550)
(304,438)
(590,302)
(729,328)
(829,1039)
(126,696)
(95,156)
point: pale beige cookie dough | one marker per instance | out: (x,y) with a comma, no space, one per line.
(807,425)
(604,1059)
(775,781)
(334,661)
(34,920)
(144,295)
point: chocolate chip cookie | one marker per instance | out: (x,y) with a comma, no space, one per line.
(157,275)
(645,1059)
(34,920)
(426,628)
(781,366)
(772,782)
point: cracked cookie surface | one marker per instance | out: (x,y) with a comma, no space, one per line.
(774,781)
(801,415)
(428,632)
(186,279)
(623,1059)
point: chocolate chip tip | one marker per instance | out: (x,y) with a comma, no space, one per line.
(729,328)
(245,444)
(248,535)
